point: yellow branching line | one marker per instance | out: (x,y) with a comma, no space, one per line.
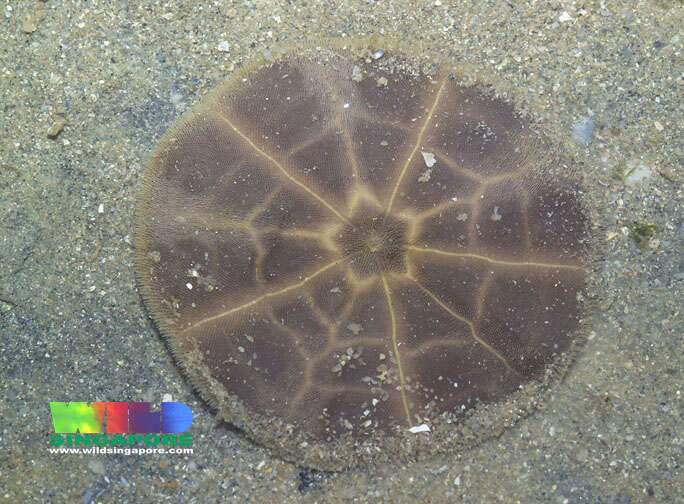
(493,261)
(280,167)
(415,147)
(265,296)
(402,381)
(476,337)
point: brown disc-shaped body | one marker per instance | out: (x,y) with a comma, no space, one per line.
(346,249)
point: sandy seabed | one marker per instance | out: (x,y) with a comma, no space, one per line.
(89,87)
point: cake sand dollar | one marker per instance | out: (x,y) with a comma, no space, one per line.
(360,254)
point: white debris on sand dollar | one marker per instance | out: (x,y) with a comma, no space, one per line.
(355,328)
(429,158)
(425,176)
(419,428)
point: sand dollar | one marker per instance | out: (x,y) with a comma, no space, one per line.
(358,254)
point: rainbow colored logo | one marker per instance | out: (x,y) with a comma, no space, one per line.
(122,417)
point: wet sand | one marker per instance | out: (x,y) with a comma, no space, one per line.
(88,88)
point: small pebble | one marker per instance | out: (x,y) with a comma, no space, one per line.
(29,25)
(626,52)
(564,17)
(56,127)
(639,174)
(224,46)
(32,19)
(96,466)
(357,75)
(583,130)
